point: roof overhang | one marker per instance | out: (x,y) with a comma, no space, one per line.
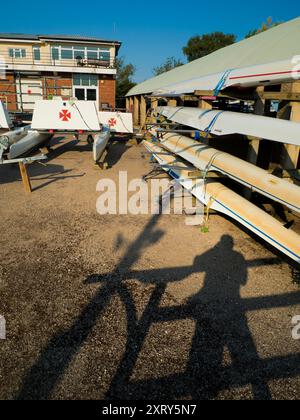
(38,39)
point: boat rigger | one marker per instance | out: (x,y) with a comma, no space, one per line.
(217,196)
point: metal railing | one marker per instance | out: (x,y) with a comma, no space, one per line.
(52,61)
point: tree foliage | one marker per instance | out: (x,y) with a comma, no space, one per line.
(170,64)
(202,45)
(264,27)
(125,73)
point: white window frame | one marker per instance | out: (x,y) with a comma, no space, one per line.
(96,87)
(33,53)
(85,49)
(19,50)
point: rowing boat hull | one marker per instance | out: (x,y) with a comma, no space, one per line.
(100,143)
(13,136)
(260,75)
(222,123)
(207,158)
(32,140)
(5,121)
(220,198)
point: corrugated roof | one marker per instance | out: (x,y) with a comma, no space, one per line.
(278,43)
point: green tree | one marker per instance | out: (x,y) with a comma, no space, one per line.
(264,27)
(202,45)
(170,64)
(125,73)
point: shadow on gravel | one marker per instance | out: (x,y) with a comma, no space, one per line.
(218,311)
(117,148)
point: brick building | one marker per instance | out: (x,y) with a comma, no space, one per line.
(43,66)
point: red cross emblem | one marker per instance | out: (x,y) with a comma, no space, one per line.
(112,122)
(65,115)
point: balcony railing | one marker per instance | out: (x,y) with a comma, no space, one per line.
(50,61)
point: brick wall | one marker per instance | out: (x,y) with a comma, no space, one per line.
(8,92)
(60,86)
(107,91)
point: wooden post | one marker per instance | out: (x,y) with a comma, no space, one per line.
(204,104)
(127,105)
(136,111)
(143,112)
(25,177)
(253,150)
(131,104)
(254,143)
(172,102)
(290,153)
(154,104)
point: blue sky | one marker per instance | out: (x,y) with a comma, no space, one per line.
(150,31)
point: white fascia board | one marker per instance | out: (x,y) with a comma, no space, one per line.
(59,69)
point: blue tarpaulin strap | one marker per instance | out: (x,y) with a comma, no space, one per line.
(212,123)
(222,82)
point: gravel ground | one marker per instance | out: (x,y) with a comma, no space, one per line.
(134,307)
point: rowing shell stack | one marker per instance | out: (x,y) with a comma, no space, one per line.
(179,155)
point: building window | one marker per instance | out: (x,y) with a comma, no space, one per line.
(92,53)
(61,52)
(105,56)
(17,52)
(85,87)
(66,54)
(79,53)
(55,53)
(36,53)
(85,80)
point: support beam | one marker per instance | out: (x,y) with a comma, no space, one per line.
(204,104)
(25,177)
(154,104)
(127,105)
(131,104)
(254,142)
(253,150)
(282,96)
(136,111)
(143,112)
(290,153)
(172,102)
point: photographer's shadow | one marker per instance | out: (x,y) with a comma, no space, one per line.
(221,323)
